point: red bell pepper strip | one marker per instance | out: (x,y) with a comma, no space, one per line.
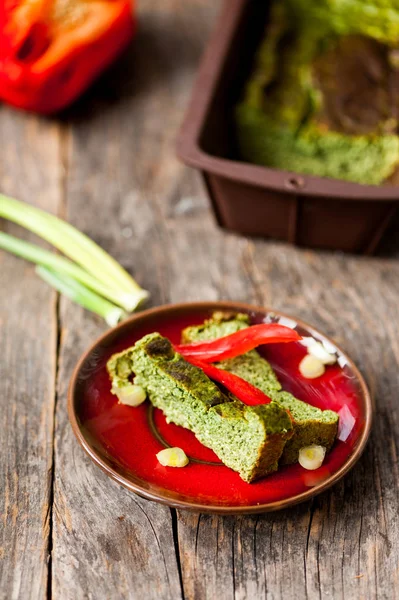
(238,343)
(244,391)
(51,50)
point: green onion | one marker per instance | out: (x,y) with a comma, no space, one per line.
(62,265)
(96,282)
(81,295)
(78,247)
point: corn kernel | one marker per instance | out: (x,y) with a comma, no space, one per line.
(172,457)
(311,457)
(311,367)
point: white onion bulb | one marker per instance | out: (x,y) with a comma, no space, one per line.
(311,457)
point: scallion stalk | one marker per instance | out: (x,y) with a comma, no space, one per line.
(82,295)
(62,265)
(77,246)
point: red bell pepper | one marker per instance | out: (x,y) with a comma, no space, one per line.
(51,50)
(244,391)
(238,343)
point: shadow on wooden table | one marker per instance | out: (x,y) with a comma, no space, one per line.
(389,247)
(309,543)
(160,54)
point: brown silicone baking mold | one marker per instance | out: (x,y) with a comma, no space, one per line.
(253,200)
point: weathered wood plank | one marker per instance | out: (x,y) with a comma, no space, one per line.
(29,170)
(103,535)
(344,545)
(319,549)
(125,188)
(107,542)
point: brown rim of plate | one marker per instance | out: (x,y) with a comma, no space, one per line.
(207,508)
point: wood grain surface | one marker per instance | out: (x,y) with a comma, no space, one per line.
(108,166)
(29,169)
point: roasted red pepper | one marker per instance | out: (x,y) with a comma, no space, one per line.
(244,391)
(238,343)
(51,50)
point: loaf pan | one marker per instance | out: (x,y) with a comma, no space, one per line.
(258,201)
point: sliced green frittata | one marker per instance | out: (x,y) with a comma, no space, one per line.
(248,439)
(311,425)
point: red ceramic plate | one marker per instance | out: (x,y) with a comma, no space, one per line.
(123,441)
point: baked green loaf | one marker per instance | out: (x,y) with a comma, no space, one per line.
(248,439)
(319,99)
(311,425)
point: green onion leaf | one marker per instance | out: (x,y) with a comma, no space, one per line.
(77,246)
(62,265)
(81,295)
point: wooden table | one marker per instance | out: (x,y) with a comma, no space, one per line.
(108,166)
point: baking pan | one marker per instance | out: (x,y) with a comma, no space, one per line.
(254,200)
